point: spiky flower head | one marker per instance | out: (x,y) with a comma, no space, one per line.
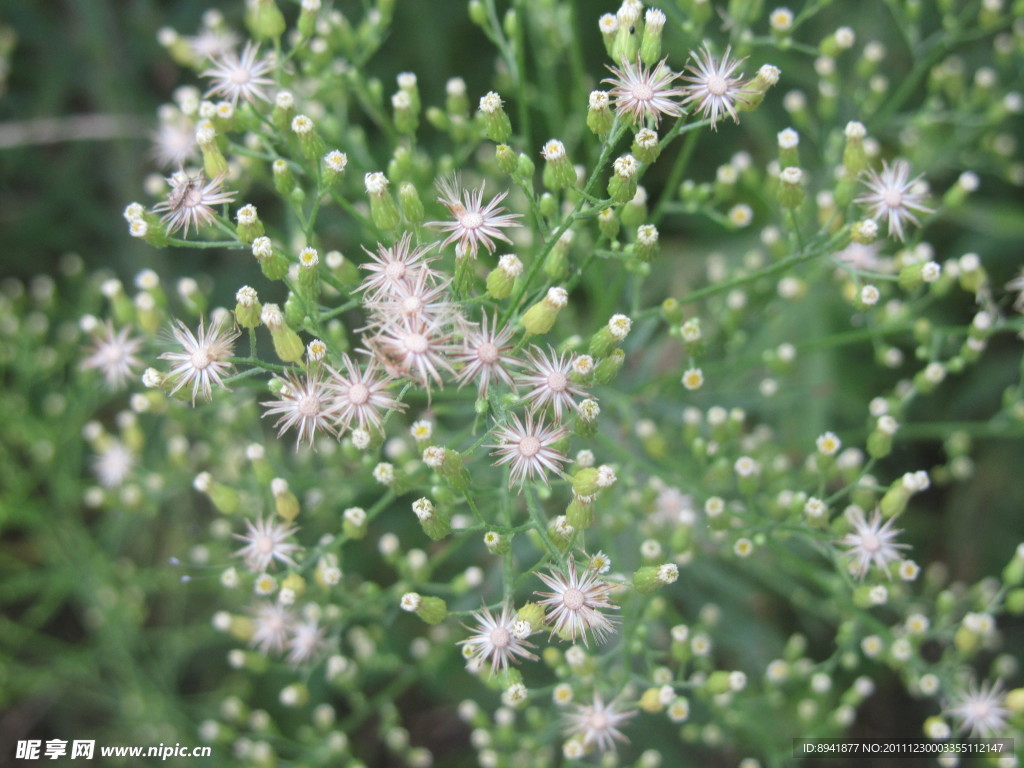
(714,87)
(113,354)
(475,224)
(190,201)
(575,603)
(240,77)
(499,638)
(641,93)
(871,543)
(597,724)
(528,448)
(893,196)
(204,359)
(265,542)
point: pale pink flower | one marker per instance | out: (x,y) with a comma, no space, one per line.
(266,542)
(475,224)
(575,603)
(499,638)
(204,361)
(713,86)
(981,710)
(872,542)
(415,349)
(645,94)
(240,77)
(393,267)
(550,382)
(597,723)
(190,201)
(271,626)
(486,354)
(528,449)
(360,395)
(308,403)
(113,354)
(892,196)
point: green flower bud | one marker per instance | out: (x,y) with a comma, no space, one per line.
(478,13)
(354,523)
(718,682)
(505,158)
(247,307)
(494,120)
(405,115)
(456,102)
(432,610)
(580,512)
(766,77)
(627,41)
(791,188)
(307,19)
(646,147)
(412,206)
(310,143)
(214,162)
(285,502)
(223,497)
(855,158)
(608,368)
(287,344)
(435,521)
(558,171)
(608,223)
(548,205)
(789,148)
(496,543)
(383,210)
(650,43)
(502,278)
(650,578)
(540,318)
(284,180)
(533,615)
(646,246)
(622,184)
(333,167)
(599,114)
(264,19)
(525,168)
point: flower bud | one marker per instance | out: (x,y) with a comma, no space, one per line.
(767,76)
(383,210)
(558,171)
(501,279)
(791,189)
(540,318)
(285,502)
(649,578)
(333,167)
(264,19)
(608,368)
(287,344)
(432,610)
(247,307)
(492,116)
(599,115)
(622,183)
(580,512)
(650,43)
(646,246)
